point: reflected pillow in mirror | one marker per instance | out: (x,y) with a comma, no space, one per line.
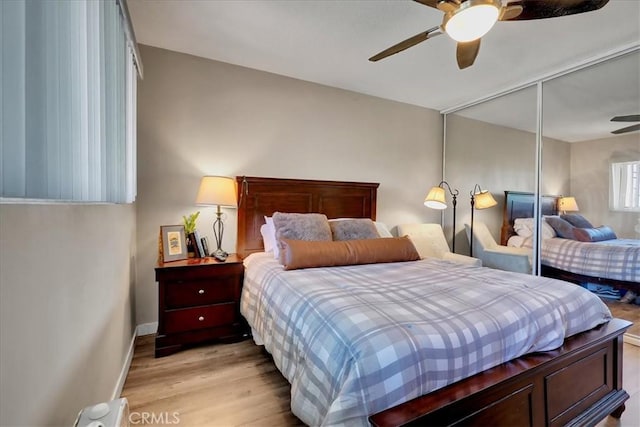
(524,228)
(594,234)
(563,228)
(577,220)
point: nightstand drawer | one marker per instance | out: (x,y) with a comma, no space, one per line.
(188,319)
(200,292)
(199,271)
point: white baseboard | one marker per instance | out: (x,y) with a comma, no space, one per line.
(143,329)
(125,369)
(147,329)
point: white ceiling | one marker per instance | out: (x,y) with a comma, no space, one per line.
(329,42)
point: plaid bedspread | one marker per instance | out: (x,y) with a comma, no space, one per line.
(612,259)
(355,340)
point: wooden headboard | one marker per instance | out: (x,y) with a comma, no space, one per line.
(260,197)
(518,204)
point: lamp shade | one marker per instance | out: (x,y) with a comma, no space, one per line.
(567,204)
(484,200)
(436,198)
(217,190)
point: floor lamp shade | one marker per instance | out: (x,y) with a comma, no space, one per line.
(484,200)
(217,191)
(436,199)
(480,199)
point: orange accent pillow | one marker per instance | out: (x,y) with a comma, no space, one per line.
(297,254)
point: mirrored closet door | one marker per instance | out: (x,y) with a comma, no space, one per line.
(568,144)
(591,163)
(490,146)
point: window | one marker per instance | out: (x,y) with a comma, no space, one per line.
(625,186)
(67,108)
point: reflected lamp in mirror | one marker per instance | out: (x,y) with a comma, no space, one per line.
(217,191)
(567,204)
(480,199)
(436,199)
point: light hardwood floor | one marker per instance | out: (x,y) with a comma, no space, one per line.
(238,384)
(630,312)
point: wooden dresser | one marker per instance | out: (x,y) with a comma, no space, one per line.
(198,301)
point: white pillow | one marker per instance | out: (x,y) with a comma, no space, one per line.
(382,229)
(518,241)
(269,237)
(266,238)
(547,230)
(524,228)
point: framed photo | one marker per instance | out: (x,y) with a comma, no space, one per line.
(174,243)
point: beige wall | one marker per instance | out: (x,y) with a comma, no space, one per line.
(197,117)
(66,308)
(590,180)
(498,159)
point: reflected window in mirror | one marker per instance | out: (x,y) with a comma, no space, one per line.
(624,190)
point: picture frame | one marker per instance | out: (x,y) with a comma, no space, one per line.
(174,243)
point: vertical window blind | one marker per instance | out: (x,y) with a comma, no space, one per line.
(68,101)
(625,186)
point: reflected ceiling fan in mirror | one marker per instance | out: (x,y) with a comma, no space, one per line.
(630,118)
(466,21)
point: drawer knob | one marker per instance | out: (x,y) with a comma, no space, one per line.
(201,318)
(201,291)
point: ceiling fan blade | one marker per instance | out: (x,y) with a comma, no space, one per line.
(630,118)
(430,3)
(466,53)
(405,44)
(542,9)
(627,129)
(510,12)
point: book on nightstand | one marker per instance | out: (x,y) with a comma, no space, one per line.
(198,242)
(205,246)
(194,243)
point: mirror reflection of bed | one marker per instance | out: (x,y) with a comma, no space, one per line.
(594,257)
(577,148)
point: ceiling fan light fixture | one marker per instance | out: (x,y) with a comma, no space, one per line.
(472,20)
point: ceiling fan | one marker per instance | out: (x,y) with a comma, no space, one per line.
(630,118)
(466,21)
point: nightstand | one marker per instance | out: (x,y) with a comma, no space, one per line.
(198,301)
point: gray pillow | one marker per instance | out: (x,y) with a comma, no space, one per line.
(354,229)
(295,226)
(577,220)
(594,234)
(562,227)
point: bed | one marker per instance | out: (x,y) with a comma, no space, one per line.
(612,262)
(579,382)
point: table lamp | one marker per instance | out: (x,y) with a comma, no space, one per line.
(217,191)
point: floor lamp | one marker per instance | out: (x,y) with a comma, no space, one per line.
(436,199)
(480,199)
(217,191)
